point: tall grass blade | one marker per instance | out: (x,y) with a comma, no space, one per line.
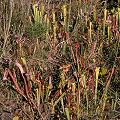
(56,102)
(104,21)
(86,92)
(90,31)
(67,113)
(96,84)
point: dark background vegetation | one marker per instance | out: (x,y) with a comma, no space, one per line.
(55,65)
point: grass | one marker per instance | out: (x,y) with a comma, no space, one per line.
(60,60)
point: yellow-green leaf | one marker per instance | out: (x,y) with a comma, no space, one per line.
(50,87)
(103,71)
(24,61)
(15,118)
(97,72)
(67,113)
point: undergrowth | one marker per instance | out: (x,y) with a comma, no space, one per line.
(59,60)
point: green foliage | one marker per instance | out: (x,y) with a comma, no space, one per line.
(37,30)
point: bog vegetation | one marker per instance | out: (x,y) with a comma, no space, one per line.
(59,60)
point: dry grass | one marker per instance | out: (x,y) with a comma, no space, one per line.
(59,60)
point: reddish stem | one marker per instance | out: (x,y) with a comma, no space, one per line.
(25,82)
(110,77)
(15,81)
